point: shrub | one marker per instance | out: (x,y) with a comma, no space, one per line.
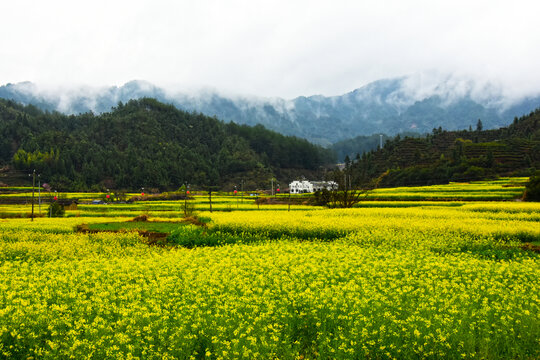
(322,197)
(142,217)
(188,208)
(532,189)
(56,210)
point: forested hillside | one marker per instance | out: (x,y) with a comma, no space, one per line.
(445,156)
(145,143)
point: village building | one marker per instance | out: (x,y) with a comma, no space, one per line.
(68,204)
(305,186)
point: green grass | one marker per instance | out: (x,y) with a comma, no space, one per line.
(162,227)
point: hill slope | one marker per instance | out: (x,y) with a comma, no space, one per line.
(145,143)
(455,155)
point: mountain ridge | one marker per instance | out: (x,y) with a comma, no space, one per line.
(388,106)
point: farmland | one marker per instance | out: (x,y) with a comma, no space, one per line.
(445,277)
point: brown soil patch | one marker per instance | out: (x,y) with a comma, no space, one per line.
(142,217)
(531,247)
(150,238)
(194,221)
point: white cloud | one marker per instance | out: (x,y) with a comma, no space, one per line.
(279,48)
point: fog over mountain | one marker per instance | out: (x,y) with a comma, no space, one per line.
(413,103)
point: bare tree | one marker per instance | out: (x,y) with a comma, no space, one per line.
(350,188)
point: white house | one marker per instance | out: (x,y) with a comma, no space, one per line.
(328,185)
(300,187)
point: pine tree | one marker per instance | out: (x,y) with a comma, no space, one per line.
(479,125)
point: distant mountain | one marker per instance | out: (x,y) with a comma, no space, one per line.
(386,106)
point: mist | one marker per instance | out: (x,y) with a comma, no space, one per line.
(278,49)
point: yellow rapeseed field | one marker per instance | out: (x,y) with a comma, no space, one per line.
(515,224)
(423,281)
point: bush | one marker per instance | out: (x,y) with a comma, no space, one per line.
(193,236)
(532,189)
(188,208)
(474,173)
(56,210)
(322,197)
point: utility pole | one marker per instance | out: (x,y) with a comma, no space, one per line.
(185,199)
(39,194)
(289,208)
(210,197)
(236,194)
(242,190)
(55,198)
(272,181)
(33,186)
(380,137)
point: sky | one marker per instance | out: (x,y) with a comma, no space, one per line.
(269,48)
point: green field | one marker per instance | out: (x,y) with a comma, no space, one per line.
(157,226)
(392,278)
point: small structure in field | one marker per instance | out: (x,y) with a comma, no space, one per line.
(305,186)
(68,204)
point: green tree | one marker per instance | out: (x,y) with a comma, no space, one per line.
(56,210)
(532,189)
(479,125)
